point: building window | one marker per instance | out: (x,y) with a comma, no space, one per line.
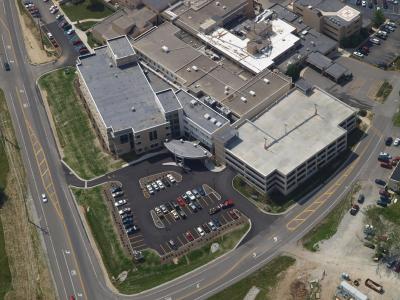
(123,139)
(153,135)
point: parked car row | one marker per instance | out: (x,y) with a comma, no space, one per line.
(125,213)
(32,9)
(375,39)
(160,184)
(386,160)
(226,204)
(209,226)
(72,37)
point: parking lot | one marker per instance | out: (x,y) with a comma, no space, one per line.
(181,226)
(384,54)
(391,11)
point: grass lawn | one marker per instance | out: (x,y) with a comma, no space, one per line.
(396,119)
(390,213)
(92,41)
(396,64)
(384,91)
(265,279)
(86,25)
(87,9)
(149,273)
(74,131)
(328,226)
(5,274)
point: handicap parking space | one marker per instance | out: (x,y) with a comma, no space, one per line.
(181,231)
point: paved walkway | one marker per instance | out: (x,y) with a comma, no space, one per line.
(88,20)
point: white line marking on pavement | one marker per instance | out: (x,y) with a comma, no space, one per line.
(70,272)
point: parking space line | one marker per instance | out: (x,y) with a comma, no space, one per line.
(188,210)
(169,247)
(166,219)
(184,235)
(211,199)
(162,248)
(230,218)
(139,241)
(182,243)
(223,217)
(205,201)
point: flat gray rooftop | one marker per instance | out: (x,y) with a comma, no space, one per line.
(319,60)
(313,41)
(179,55)
(200,113)
(116,91)
(307,133)
(120,46)
(337,70)
(208,76)
(168,100)
(199,11)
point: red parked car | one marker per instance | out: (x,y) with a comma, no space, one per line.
(189,236)
(386,165)
(227,203)
(77,42)
(384,192)
(181,202)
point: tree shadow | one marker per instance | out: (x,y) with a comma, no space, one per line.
(96,6)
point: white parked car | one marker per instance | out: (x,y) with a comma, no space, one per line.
(200,231)
(44,198)
(155,186)
(358,54)
(364,3)
(171,178)
(396,142)
(160,184)
(120,203)
(190,195)
(175,214)
(117,193)
(71,31)
(49,35)
(158,211)
(150,189)
(124,211)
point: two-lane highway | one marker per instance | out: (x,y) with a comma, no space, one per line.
(76,269)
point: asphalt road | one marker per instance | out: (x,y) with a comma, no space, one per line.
(74,265)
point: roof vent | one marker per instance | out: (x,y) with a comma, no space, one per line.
(218,124)
(206,116)
(244,99)
(213,120)
(188,69)
(224,7)
(193,102)
(266,80)
(133,108)
(165,49)
(253,93)
(181,141)
(195,68)
(227,87)
(217,3)
(110,64)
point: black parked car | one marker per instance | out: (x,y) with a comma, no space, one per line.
(380,182)
(389,141)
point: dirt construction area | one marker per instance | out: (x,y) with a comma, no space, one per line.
(343,253)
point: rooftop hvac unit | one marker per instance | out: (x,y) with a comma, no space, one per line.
(218,124)
(226,92)
(165,49)
(213,120)
(193,102)
(217,3)
(227,87)
(188,69)
(253,93)
(133,108)
(266,80)
(244,99)
(195,68)
(206,116)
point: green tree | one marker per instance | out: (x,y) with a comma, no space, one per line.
(293,70)
(379,18)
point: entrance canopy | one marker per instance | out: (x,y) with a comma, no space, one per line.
(187,150)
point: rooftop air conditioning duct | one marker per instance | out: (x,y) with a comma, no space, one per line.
(244,99)
(266,80)
(253,93)
(206,116)
(195,68)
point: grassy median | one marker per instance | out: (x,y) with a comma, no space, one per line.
(5,273)
(384,91)
(80,147)
(150,273)
(264,279)
(328,226)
